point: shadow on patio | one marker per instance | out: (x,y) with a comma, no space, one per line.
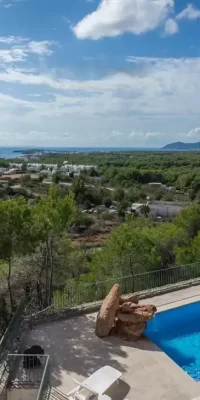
(76,352)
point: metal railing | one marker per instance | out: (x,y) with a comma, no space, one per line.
(10,342)
(45,386)
(29,371)
(77,293)
(7,343)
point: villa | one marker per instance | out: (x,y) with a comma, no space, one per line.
(72,351)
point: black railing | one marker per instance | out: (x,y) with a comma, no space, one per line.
(77,293)
(9,340)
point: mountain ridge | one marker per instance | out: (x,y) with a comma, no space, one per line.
(182,146)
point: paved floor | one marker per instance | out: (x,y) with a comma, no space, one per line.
(175,299)
(148,373)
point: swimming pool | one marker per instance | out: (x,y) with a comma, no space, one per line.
(177,333)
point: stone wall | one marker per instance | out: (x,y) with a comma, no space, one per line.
(52,314)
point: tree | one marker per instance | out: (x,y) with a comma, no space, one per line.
(145,210)
(158,194)
(128,251)
(4,315)
(93,172)
(87,204)
(165,238)
(196,184)
(121,208)
(192,194)
(107,202)
(16,234)
(78,186)
(132,195)
(168,196)
(118,194)
(56,178)
(52,215)
(190,253)
(142,195)
(71,256)
(24,167)
(189,220)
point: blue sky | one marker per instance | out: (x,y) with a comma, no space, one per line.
(99,72)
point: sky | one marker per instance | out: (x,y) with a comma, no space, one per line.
(99,72)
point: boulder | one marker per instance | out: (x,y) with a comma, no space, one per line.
(132,318)
(133,298)
(135,314)
(106,315)
(128,307)
(147,311)
(123,316)
(129,331)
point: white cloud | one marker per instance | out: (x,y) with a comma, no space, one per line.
(144,136)
(34,95)
(38,133)
(9,99)
(115,17)
(40,48)
(12,39)
(171,27)
(189,13)
(148,105)
(194,132)
(8,5)
(12,55)
(165,85)
(20,51)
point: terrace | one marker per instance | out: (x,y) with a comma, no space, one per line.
(147,372)
(75,352)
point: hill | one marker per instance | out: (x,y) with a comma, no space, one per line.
(182,146)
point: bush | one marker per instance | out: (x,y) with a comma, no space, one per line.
(192,194)
(132,195)
(168,197)
(87,205)
(56,178)
(158,195)
(106,216)
(83,219)
(118,194)
(107,202)
(143,195)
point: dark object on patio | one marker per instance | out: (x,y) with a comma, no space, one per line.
(32,361)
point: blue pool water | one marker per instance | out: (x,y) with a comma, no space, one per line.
(177,333)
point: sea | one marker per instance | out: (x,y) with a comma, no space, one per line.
(10,152)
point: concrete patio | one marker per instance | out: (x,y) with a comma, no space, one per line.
(147,372)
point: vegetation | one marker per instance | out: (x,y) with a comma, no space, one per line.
(120,169)
(45,236)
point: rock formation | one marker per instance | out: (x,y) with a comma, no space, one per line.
(123,316)
(106,315)
(133,298)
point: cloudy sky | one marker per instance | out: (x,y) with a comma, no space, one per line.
(99,72)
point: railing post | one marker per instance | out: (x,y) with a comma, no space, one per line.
(133,284)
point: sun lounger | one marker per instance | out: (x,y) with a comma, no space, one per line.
(96,384)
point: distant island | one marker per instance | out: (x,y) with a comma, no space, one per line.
(182,146)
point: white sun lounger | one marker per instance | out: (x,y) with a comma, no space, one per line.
(98,382)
